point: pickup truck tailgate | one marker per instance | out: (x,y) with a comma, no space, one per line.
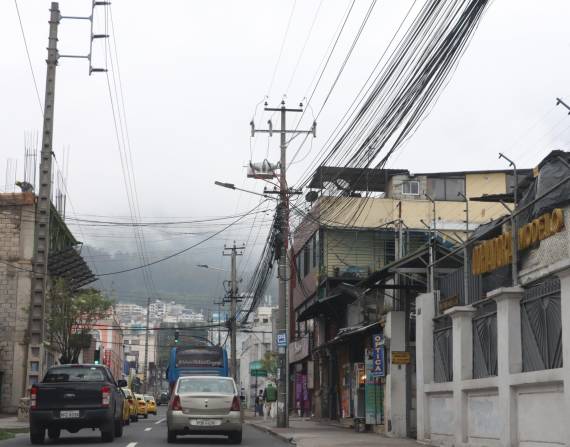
(69,395)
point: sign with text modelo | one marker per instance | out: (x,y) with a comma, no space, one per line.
(378,361)
(497,252)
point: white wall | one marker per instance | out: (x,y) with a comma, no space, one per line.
(515,408)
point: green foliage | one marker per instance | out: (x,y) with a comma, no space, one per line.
(71,318)
(269,363)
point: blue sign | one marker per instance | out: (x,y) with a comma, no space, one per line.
(378,358)
(282,339)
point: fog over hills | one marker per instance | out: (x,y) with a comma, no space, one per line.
(178,279)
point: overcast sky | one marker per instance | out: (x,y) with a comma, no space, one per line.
(193,73)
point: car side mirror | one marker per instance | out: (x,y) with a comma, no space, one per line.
(121,383)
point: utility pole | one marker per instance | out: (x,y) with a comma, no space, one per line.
(35,355)
(145,372)
(36,324)
(283,209)
(432,253)
(514,228)
(219,304)
(233,252)
(465,251)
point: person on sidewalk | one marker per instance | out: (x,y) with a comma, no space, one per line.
(259,403)
(270,397)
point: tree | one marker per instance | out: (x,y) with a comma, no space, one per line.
(71,318)
(269,363)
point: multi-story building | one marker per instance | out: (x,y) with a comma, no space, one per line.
(255,343)
(17,222)
(362,221)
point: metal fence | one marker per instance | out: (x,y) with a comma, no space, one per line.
(541,326)
(485,340)
(442,349)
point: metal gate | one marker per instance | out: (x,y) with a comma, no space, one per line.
(541,326)
(442,349)
(485,340)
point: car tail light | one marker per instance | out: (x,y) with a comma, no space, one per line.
(105,396)
(235,404)
(175,405)
(34,398)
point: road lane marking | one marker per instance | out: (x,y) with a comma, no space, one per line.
(159,421)
(148,429)
(132,444)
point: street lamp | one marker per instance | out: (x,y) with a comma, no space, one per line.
(206,266)
(234,187)
(514,236)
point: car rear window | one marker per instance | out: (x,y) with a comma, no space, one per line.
(75,374)
(206,385)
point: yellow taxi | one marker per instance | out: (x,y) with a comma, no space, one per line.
(141,406)
(130,400)
(126,410)
(150,404)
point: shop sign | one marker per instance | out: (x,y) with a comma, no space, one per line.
(282,339)
(497,252)
(298,350)
(378,359)
(401,358)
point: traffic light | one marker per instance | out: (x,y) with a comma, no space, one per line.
(176,336)
(97,356)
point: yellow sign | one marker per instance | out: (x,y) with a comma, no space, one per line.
(401,358)
(448,303)
(497,252)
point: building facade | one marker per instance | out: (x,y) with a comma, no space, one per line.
(380,219)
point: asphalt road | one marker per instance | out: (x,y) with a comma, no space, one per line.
(148,432)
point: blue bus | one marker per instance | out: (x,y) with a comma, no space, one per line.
(197,360)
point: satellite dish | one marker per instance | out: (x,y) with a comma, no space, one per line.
(311,196)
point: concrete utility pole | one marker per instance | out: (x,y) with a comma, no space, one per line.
(219,304)
(514,229)
(36,326)
(465,251)
(145,372)
(283,320)
(432,252)
(233,252)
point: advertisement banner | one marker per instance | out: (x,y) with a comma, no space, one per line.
(373,394)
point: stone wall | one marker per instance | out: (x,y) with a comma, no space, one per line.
(16,251)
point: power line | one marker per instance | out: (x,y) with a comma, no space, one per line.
(29,58)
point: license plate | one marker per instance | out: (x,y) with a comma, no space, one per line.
(69,414)
(205,422)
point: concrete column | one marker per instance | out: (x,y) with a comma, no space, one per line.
(462,329)
(509,354)
(425,312)
(565,314)
(395,395)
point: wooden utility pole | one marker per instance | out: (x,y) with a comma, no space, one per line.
(283,209)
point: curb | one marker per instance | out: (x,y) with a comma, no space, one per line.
(263,428)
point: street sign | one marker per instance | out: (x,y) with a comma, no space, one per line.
(401,358)
(378,360)
(282,339)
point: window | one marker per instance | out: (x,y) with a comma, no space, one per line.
(315,250)
(446,188)
(411,187)
(307,260)
(74,374)
(265,320)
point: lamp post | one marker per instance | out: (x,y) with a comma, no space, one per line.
(514,236)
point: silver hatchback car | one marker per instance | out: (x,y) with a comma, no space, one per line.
(205,405)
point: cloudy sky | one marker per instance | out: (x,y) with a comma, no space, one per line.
(194,73)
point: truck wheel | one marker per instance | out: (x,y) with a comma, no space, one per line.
(54,433)
(108,432)
(171,436)
(37,435)
(118,428)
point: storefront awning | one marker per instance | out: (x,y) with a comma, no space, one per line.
(340,296)
(346,333)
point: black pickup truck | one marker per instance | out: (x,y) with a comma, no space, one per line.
(72,397)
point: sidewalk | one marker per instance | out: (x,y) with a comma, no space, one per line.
(10,422)
(305,432)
